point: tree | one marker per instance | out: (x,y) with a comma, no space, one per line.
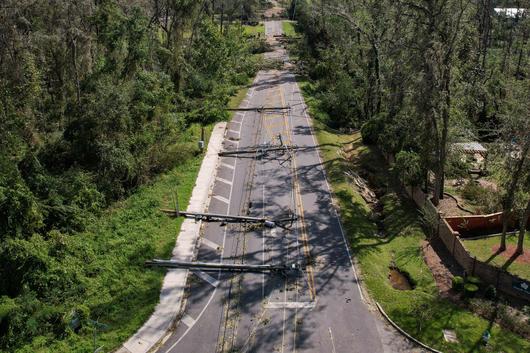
(408,168)
(523,221)
(516,138)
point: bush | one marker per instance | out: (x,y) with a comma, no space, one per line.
(470,290)
(456,167)
(471,191)
(259,45)
(473,280)
(370,131)
(458,283)
(490,292)
(488,199)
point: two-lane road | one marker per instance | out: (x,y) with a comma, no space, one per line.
(319,310)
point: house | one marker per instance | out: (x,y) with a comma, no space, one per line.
(472,152)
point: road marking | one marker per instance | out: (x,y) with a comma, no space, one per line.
(332,342)
(221,198)
(230,141)
(234,131)
(290,305)
(221,257)
(209,243)
(206,277)
(263,244)
(228,166)
(336,214)
(298,195)
(224,181)
(188,320)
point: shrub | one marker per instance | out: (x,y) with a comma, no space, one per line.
(456,167)
(490,292)
(470,290)
(488,199)
(473,280)
(471,191)
(370,131)
(458,283)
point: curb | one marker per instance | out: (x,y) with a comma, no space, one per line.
(423,345)
(171,301)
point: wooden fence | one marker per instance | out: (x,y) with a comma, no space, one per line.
(496,276)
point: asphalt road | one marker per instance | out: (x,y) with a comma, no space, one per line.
(320,309)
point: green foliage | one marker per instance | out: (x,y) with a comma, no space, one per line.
(371,130)
(98,99)
(457,283)
(486,198)
(421,312)
(456,167)
(470,290)
(473,280)
(417,79)
(490,292)
(408,168)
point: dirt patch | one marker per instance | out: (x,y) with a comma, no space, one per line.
(449,207)
(442,265)
(399,280)
(274,11)
(510,253)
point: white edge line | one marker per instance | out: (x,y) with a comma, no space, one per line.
(329,188)
(219,276)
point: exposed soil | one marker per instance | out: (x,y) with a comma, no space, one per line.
(449,207)
(274,11)
(442,265)
(399,280)
(509,253)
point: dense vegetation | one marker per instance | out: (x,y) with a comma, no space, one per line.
(98,97)
(418,75)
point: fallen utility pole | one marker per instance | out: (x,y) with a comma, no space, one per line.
(257,109)
(259,149)
(213,266)
(215,217)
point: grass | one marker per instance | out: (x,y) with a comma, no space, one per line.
(254,30)
(482,249)
(120,291)
(420,312)
(289,28)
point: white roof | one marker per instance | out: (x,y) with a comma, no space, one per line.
(510,11)
(475,147)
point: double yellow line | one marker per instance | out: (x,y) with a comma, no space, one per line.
(303,231)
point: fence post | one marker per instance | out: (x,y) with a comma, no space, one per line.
(438,225)
(454,244)
(498,278)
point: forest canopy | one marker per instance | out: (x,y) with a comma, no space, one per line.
(418,76)
(97,97)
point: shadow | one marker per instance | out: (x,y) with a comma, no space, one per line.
(510,261)
(493,256)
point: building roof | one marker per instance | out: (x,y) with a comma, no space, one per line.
(471,147)
(510,11)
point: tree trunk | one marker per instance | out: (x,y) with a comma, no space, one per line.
(522,228)
(510,194)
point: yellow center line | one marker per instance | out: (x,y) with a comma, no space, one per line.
(305,240)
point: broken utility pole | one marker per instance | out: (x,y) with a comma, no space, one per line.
(260,149)
(257,109)
(214,217)
(213,266)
